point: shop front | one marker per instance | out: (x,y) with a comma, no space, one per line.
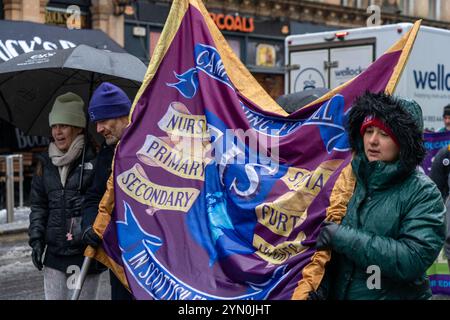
(257,41)
(73,14)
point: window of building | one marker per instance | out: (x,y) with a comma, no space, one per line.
(391,6)
(154,37)
(265,53)
(360,4)
(136,43)
(363,4)
(235,44)
(434,9)
(407,7)
(354,3)
(57,13)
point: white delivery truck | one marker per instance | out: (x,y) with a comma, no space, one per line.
(329,59)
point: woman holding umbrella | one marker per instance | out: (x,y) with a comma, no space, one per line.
(56,198)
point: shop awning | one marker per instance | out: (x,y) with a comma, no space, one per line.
(17,37)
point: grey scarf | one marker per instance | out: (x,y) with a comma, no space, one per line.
(62,160)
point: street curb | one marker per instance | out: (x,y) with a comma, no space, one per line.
(14,227)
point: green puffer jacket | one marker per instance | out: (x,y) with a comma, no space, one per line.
(394,220)
(395,226)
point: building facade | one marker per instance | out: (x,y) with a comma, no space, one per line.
(257,40)
(108,15)
(255,29)
(95,14)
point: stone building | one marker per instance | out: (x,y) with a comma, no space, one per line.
(263,24)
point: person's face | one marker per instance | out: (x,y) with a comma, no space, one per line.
(447,122)
(112,129)
(379,146)
(64,135)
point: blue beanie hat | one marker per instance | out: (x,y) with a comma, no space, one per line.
(108,102)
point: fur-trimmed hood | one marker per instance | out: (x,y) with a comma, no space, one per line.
(403,117)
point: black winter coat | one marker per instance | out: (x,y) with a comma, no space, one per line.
(56,210)
(95,192)
(440,170)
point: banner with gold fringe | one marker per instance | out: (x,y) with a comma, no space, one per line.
(218,193)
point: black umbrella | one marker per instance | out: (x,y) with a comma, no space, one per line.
(294,101)
(18,37)
(30,82)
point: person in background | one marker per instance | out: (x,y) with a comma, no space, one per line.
(108,109)
(446,118)
(395,218)
(56,199)
(440,169)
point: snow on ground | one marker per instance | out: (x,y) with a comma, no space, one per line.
(17,267)
(20,214)
(16,252)
(15,258)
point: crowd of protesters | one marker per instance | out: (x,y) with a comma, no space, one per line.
(395,218)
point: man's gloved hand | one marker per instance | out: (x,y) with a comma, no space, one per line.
(327,231)
(91,238)
(36,254)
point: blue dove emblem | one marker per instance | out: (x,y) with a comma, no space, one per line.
(188,83)
(330,118)
(130,233)
(139,257)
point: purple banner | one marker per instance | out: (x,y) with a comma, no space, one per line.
(434,141)
(440,284)
(216,198)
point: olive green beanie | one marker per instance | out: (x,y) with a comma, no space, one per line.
(68,109)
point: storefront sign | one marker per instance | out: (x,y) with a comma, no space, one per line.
(63,17)
(233,23)
(13,139)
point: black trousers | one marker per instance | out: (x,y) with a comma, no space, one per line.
(118,291)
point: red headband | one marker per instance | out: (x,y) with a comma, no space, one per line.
(372,121)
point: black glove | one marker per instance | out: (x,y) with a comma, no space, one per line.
(327,231)
(317,295)
(91,238)
(36,254)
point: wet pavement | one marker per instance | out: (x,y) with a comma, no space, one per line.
(19,279)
